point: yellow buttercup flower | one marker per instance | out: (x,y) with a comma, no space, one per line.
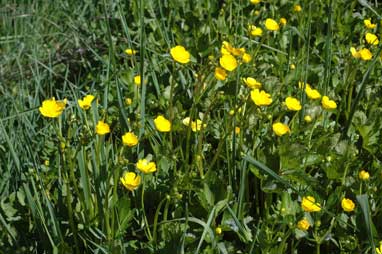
(371,39)
(309,204)
(280,129)
(228,62)
(162,124)
(365,54)
(283,21)
(247,58)
(303,224)
(130,52)
(328,103)
(255,1)
(52,108)
(252,83)
(86,102)
(354,52)
(271,25)
(312,93)
(368,24)
(218,230)
(130,180)
(297,8)
(237,130)
(137,80)
(128,101)
(129,139)
(220,73)
(364,175)
(292,66)
(180,54)
(308,118)
(347,204)
(145,166)
(379,249)
(195,125)
(102,128)
(256,31)
(293,104)
(226,48)
(261,98)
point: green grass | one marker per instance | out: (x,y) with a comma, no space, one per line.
(60,188)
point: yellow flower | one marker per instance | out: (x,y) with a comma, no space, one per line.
(365,54)
(283,21)
(327,103)
(129,139)
(371,39)
(145,166)
(364,175)
(256,31)
(309,204)
(255,1)
(220,73)
(228,62)
(137,80)
(86,102)
(355,53)
(280,129)
(102,128)
(303,224)
(52,108)
(252,83)
(379,249)
(271,25)
(237,130)
(218,230)
(297,8)
(312,93)
(308,118)
(261,98)
(130,180)
(292,66)
(130,52)
(195,125)
(162,124)
(238,51)
(247,58)
(368,24)
(226,48)
(293,104)
(128,101)
(347,204)
(180,54)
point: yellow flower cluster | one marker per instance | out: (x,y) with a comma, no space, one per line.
(228,60)
(370,38)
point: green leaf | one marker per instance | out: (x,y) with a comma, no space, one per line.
(363,201)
